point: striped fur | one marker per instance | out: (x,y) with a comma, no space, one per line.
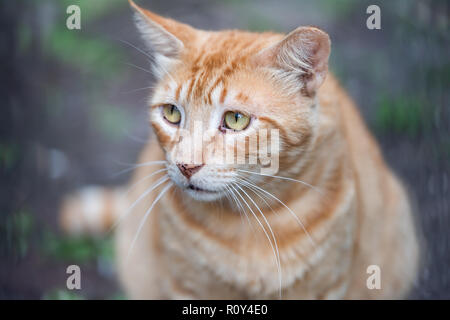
(356,215)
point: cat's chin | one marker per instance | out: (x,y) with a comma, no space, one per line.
(203,195)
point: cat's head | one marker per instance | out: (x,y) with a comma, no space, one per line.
(220,96)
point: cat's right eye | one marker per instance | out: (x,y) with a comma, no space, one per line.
(171,113)
(235,121)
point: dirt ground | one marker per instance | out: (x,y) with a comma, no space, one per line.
(75,115)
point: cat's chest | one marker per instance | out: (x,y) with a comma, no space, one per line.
(204,266)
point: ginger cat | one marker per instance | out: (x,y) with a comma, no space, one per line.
(213,231)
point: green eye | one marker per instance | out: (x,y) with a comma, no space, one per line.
(236,121)
(171,113)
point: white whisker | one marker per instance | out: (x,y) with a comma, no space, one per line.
(142,196)
(283,178)
(145,217)
(134,138)
(241,210)
(132,187)
(152,59)
(137,67)
(264,230)
(144,164)
(138,89)
(138,49)
(284,205)
(260,195)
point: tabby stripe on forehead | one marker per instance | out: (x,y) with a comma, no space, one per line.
(208,66)
(223,95)
(177,92)
(226,73)
(203,68)
(197,87)
(242,97)
(191,85)
(215,84)
(200,84)
(196,64)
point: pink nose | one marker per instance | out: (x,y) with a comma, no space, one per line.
(188,170)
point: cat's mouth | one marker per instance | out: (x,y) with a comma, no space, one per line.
(195,188)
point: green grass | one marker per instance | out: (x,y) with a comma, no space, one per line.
(90,55)
(402,115)
(118,296)
(18,228)
(92,9)
(77,249)
(62,294)
(82,50)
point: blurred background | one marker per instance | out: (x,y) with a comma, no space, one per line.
(74,113)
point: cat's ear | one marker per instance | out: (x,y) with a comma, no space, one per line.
(300,58)
(165,37)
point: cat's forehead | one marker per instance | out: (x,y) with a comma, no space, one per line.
(212,62)
(215,50)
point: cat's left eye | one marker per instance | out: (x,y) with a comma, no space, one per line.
(171,113)
(235,121)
